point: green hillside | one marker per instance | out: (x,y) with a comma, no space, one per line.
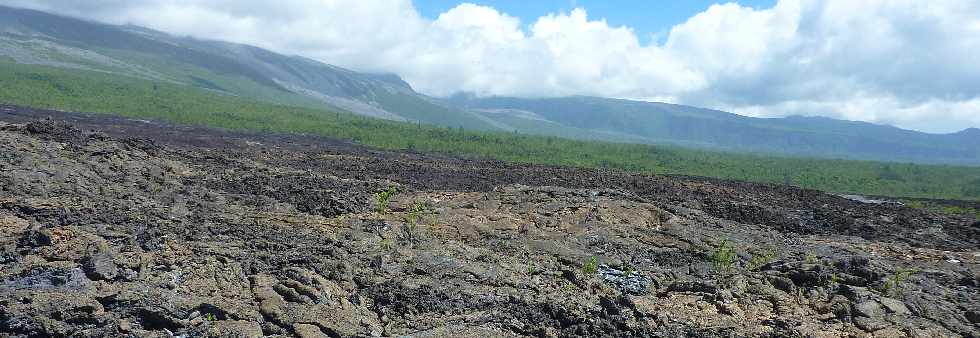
(34,37)
(51,87)
(662,123)
(38,38)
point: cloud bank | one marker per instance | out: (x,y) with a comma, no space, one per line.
(902,62)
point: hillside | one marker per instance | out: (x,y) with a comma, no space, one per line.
(82,90)
(31,37)
(661,123)
(35,38)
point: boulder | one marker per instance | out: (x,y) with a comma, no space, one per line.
(100,267)
(894,306)
(308,331)
(870,324)
(870,309)
(242,329)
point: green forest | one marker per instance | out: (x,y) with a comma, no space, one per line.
(91,91)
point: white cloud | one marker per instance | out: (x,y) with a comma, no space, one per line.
(898,62)
(904,62)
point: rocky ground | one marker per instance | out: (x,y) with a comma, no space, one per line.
(150,230)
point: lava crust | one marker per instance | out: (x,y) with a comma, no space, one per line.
(117,227)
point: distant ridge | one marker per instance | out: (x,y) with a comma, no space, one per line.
(33,37)
(653,122)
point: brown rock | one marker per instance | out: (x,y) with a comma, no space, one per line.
(894,306)
(869,324)
(870,309)
(238,329)
(100,267)
(889,332)
(308,331)
(290,294)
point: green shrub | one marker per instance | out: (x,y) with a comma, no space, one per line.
(386,244)
(760,259)
(418,209)
(382,198)
(591,266)
(412,221)
(724,257)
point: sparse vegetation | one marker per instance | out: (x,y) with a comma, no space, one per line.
(628,270)
(810,258)
(49,87)
(800,296)
(569,287)
(410,232)
(386,244)
(941,208)
(724,257)
(591,267)
(306,258)
(896,282)
(418,209)
(760,259)
(382,198)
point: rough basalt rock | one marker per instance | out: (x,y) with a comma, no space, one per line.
(151,230)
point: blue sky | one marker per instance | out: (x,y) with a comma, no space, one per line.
(646,17)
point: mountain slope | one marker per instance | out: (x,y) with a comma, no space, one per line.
(653,122)
(99,92)
(33,37)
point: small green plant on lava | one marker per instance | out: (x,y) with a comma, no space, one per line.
(896,282)
(724,257)
(591,266)
(386,244)
(811,258)
(760,259)
(414,214)
(628,270)
(382,199)
(412,220)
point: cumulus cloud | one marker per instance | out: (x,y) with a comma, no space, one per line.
(898,62)
(903,62)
